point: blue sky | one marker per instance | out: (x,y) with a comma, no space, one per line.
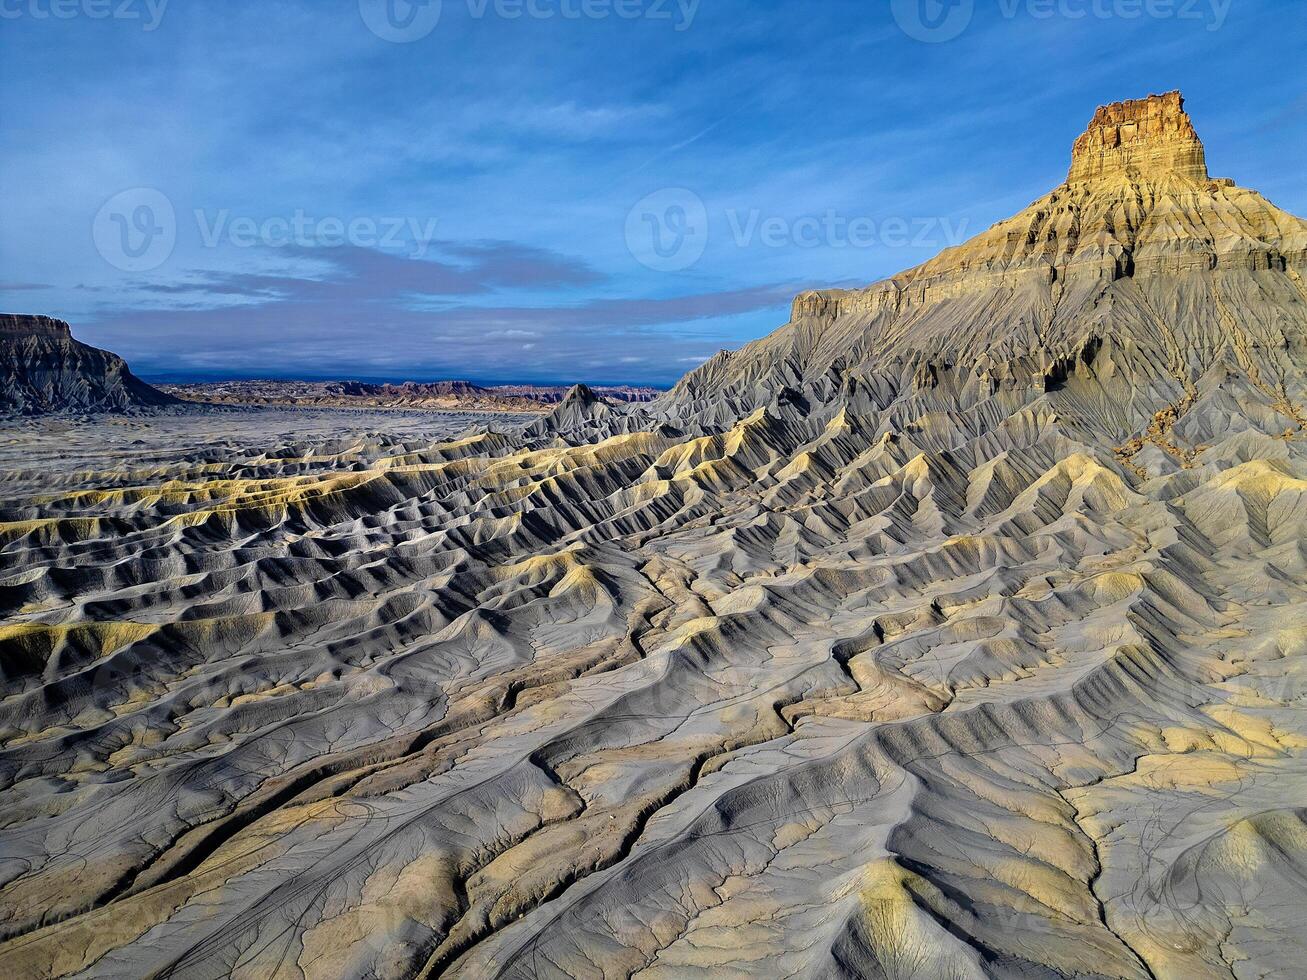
(559,190)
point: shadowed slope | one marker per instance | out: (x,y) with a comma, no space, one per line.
(44,370)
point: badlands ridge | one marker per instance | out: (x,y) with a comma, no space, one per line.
(956,629)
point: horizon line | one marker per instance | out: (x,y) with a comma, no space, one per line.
(196,377)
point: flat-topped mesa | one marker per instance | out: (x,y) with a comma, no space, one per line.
(14,325)
(1138,260)
(1140,139)
(44,369)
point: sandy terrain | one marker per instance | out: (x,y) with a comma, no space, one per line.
(48,445)
(958,629)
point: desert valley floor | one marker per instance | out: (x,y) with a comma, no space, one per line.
(286,696)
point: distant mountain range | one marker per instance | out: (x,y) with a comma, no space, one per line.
(437,395)
(45,370)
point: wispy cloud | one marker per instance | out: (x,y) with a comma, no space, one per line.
(351,274)
(362,313)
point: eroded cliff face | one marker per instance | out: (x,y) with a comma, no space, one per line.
(43,370)
(1139,139)
(1138,257)
(18,326)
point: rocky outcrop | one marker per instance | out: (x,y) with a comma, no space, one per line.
(1140,138)
(1138,255)
(580,411)
(18,326)
(44,370)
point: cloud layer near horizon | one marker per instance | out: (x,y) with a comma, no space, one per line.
(359,312)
